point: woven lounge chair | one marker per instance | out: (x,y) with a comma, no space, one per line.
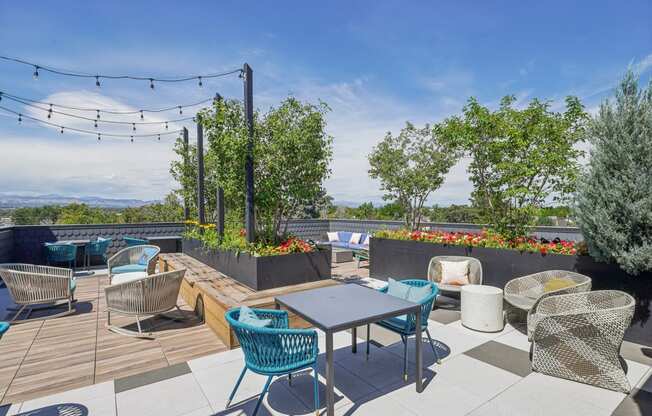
(434,272)
(132,263)
(527,291)
(274,351)
(35,287)
(150,295)
(578,336)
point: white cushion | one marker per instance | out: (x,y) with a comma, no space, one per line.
(332,237)
(455,272)
(127,277)
(355,238)
(366,240)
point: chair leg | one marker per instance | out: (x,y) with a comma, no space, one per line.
(262,395)
(290,379)
(432,345)
(20,310)
(405,357)
(235,389)
(140,331)
(368,337)
(316,383)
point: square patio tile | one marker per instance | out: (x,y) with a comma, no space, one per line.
(645,383)
(636,373)
(444,316)
(486,335)
(637,403)
(636,352)
(373,405)
(515,339)
(172,397)
(214,360)
(442,399)
(502,356)
(98,399)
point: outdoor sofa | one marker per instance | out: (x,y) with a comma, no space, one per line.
(344,240)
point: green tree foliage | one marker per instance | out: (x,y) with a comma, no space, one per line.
(291,156)
(47,214)
(614,203)
(84,214)
(410,167)
(519,157)
(456,214)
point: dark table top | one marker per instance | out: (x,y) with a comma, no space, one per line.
(165,237)
(345,306)
(75,242)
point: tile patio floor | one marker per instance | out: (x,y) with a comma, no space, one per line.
(481,374)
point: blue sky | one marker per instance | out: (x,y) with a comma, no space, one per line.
(377,64)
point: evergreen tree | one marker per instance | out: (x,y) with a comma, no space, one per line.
(614,198)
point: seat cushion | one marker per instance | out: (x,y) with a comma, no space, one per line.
(127,277)
(521,302)
(73,285)
(557,283)
(340,244)
(397,323)
(418,294)
(129,268)
(344,236)
(398,289)
(249,317)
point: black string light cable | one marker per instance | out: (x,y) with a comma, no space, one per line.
(62,129)
(98,77)
(108,111)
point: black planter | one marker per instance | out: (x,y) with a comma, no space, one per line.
(401,259)
(261,273)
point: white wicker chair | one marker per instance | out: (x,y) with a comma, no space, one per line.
(132,256)
(434,272)
(39,287)
(578,336)
(151,295)
(527,291)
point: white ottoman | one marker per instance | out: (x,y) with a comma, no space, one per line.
(482,308)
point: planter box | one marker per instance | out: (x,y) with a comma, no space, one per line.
(261,273)
(401,259)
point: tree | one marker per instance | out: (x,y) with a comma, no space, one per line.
(391,211)
(614,205)
(519,158)
(410,167)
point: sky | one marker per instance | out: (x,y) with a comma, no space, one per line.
(376,64)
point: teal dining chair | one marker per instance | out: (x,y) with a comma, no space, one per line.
(133,241)
(61,253)
(274,350)
(405,325)
(98,248)
(4,326)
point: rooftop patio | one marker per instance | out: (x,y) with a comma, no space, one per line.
(73,365)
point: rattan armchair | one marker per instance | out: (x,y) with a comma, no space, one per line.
(578,337)
(434,272)
(35,287)
(136,259)
(150,295)
(527,291)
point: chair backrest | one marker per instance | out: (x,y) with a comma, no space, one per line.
(426,303)
(475,268)
(533,285)
(153,294)
(30,283)
(133,241)
(136,255)
(99,247)
(60,252)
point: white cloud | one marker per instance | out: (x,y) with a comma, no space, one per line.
(643,65)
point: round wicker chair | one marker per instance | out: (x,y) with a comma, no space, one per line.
(35,287)
(434,272)
(150,295)
(578,336)
(134,259)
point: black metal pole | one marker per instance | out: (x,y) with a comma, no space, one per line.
(220,212)
(249,163)
(186,161)
(200,172)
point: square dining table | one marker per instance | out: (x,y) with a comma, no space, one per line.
(347,306)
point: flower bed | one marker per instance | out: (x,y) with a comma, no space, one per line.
(484,239)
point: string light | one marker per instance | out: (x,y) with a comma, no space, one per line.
(50,112)
(159,137)
(99,137)
(133,126)
(61,129)
(180,110)
(141,115)
(20,118)
(132,139)
(200,83)
(166,125)
(98,114)
(79,74)
(95,124)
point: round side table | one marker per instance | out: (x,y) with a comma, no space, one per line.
(482,308)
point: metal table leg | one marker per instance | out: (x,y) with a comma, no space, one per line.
(330,369)
(354,340)
(419,358)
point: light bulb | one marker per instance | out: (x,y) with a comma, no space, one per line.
(50,112)
(97,81)
(99,137)
(132,139)
(180,110)
(141,115)
(61,129)
(35,72)
(166,125)
(20,118)
(159,137)
(134,126)
(0,96)
(95,123)
(98,114)
(200,83)
(151,83)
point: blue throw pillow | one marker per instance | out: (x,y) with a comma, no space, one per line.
(144,258)
(418,294)
(397,289)
(249,317)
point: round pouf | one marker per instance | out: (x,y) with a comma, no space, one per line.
(482,308)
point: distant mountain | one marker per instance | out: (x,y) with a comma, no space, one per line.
(17,201)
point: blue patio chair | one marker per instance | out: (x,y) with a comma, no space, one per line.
(61,253)
(133,241)
(275,350)
(98,247)
(4,326)
(405,325)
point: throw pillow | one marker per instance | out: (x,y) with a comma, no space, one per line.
(557,284)
(418,294)
(398,289)
(455,272)
(355,238)
(366,240)
(249,317)
(143,259)
(333,237)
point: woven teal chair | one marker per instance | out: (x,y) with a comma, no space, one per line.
(405,325)
(4,326)
(133,241)
(99,248)
(61,253)
(275,350)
